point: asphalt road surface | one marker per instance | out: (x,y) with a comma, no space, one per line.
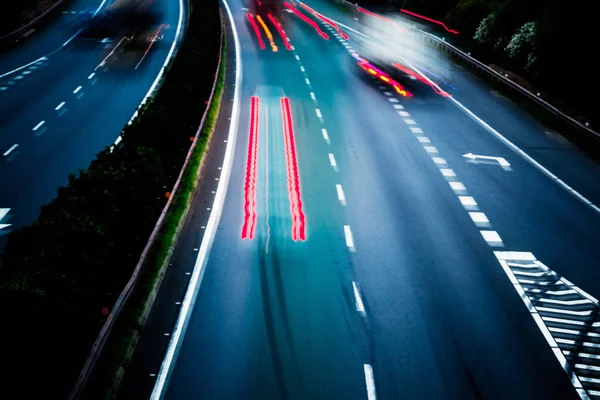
(421,268)
(62,100)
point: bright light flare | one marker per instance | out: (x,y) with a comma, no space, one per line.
(256,31)
(267,32)
(307,20)
(249,225)
(293,177)
(326,20)
(372,14)
(429,20)
(281,31)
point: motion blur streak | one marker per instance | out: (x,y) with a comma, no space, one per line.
(327,20)
(150,45)
(372,14)
(267,32)
(435,88)
(307,20)
(298,218)
(256,31)
(249,226)
(430,20)
(281,31)
(364,64)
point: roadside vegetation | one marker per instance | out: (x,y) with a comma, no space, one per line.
(60,276)
(548,43)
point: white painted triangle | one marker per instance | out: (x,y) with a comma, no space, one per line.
(2,226)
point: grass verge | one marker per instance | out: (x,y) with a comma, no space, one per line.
(121,344)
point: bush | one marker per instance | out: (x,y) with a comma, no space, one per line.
(59,273)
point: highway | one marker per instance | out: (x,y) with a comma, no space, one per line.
(58,112)
(424,273)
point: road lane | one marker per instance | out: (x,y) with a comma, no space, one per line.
(89,120)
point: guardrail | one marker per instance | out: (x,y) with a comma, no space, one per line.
(98,345)
(448,48)
(16,34)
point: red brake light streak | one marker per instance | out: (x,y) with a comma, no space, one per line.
(327,20)
(420,78)
(364,64)
(249,226)
(372,14)
(281,31)
(256,31)
(429,20)
(307,20)
(293,178)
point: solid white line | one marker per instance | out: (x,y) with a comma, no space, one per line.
(349,238)
(58,107)
(307,81)
(516,149)
(360,307)
(318,113)
(325,136)
(332,161)
(213,220)
(39,125)
(7,152)
(24,66)
(370,381)
(77,90)
(340,193)
(91,75)
(312,96)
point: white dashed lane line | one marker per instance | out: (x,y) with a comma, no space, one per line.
(318,112)
(307,81)
(7,152)
(325,135)
(332,161)
(340,194)
(370,382)
(39,125)
(439,160)
(91,75)
(360,306)
(415,129)
(349,238)
(77,90)
(312,96)
(58,107)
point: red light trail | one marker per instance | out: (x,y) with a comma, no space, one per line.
(372,14)
(364,64)
(420,78)
(256,31)
(307,20)
(429,20)
(281,31)
(327,20)
(293,178)
(249,226)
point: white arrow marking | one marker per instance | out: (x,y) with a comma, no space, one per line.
(3,212)
(500,160)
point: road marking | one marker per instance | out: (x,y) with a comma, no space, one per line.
(3,212)
(215,215)
(18,77)
(447,172)
(479,218)
(297,58)
(349,238)
(23,66)
(467,201)
(516,149)
(312,96)
(423,139)
(325,136)
(39,125)
(387,93)
(398,107)
(458,187)
(110,54)
(340,193)
(439,160)
(370,382)
(410,121)
(415,129)
(91,75)
(478,159)
(360,307)
(318,112)
(491,237)
(307,81)
(302,68)
(58,107)
(7,152)
(430,149)
(77,90)
(403,114)
(332,161)
(393,100)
